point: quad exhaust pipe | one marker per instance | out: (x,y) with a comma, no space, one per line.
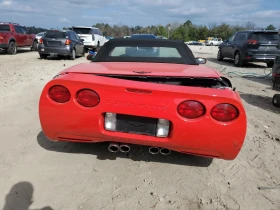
(113,147)
(156,150)
(124,148)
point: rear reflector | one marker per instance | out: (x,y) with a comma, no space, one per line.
(162,128)
(110,121)
(191,109)
(59,94)
(87,98)
(41,41)
(224,112)
(67,42)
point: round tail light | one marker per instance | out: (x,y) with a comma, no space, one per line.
(87,98)
(59,94)
(224,112)
(191,109)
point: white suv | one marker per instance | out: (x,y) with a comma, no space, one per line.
(93,37)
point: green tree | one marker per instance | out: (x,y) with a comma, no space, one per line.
(270,27)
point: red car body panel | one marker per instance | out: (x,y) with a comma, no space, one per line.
(203,136)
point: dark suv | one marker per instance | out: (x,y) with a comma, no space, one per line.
(250,46)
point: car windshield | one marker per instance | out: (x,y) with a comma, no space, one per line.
(55,34)
(5,28)
(82,30)
(152,50)
(266,36)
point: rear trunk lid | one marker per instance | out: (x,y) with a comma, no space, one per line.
(267,43)
(144,69)
(55,39)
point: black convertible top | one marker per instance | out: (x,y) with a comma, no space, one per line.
(187,56)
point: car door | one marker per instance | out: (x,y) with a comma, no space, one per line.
(79,44)
(238,42)
(27,38)
(20,36)
(227,47)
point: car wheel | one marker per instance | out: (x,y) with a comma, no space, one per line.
(270,64)
(276,100)
(219,55)
(237,59)
(34,46)
(12,48)
(211,44)
(73,55)
(43,56)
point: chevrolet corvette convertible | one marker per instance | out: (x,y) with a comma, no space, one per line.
(167,101)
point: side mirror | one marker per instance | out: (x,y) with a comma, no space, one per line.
(201,60)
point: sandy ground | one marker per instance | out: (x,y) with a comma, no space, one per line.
(35,173)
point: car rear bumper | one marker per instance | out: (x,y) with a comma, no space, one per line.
(4,46)
(203,136)
(255,56)
(67,50)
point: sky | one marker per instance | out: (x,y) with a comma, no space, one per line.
(66,13)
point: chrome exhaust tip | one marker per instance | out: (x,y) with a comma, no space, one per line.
(113,147)
(165,151)
(154,150)
(124,148)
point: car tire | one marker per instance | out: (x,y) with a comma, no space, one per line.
(34,46)
(73,54)
(270,64)
(220,56)
(237,60)
(276,100)
(12,48)
(211,44)
(98,44)
(43,56)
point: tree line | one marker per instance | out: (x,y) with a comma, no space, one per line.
(186,31)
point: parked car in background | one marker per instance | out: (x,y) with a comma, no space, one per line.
(108,38)
(250,46)
(93,37)
(13,36)
(161,37)
(214,42)
(61,43)
(40,35)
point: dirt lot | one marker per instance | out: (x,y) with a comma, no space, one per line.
(81,176)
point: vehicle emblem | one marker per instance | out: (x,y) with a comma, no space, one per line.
(142,72)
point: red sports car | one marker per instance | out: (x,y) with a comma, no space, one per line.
(130,95)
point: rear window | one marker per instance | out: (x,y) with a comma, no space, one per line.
(265,36)
(82,30)
(152,52)
(55,34)
(5,28)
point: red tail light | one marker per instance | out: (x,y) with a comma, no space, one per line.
(252,42)
(87,98)
(67,42)
(224,112)
(59,94)
(191,109)
(41,41)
